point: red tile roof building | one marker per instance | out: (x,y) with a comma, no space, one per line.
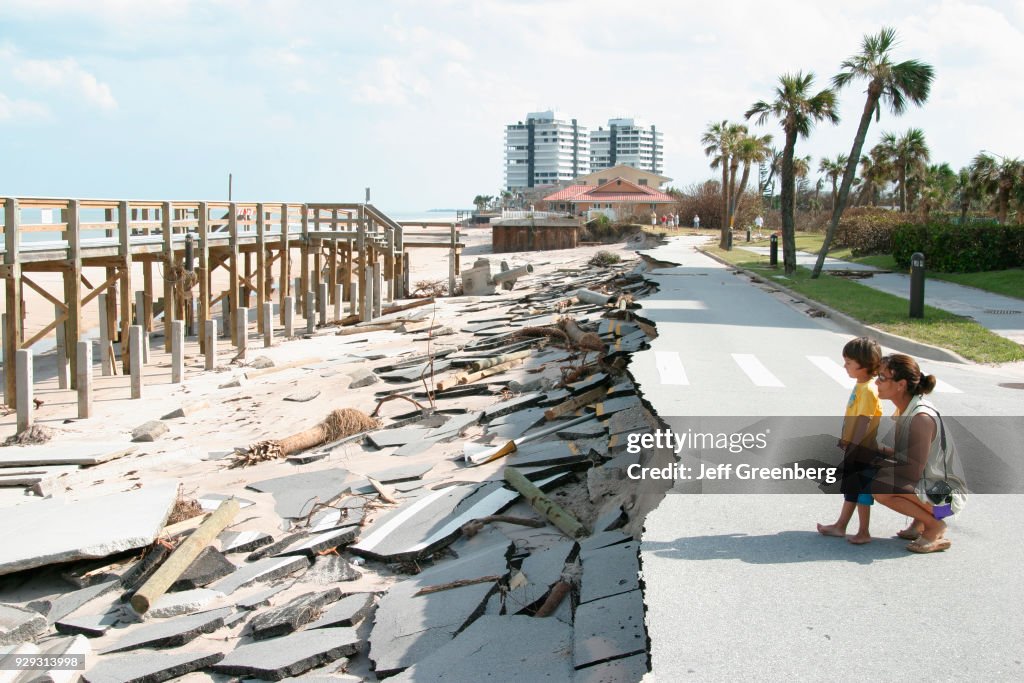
(617,194)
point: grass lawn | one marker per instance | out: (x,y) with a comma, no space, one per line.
(887,312)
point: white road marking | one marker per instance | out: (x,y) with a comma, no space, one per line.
(945,388)
(833,370)
(670,368)
(756,371)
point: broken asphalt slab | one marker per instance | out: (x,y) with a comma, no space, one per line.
(348,611)
(291,616)
(610,628)
(149,667)
(19,625)
(290,655)
(295,494)
(267,569)
(54,531)
(541,570)
(609,571)
(500,649)
(170,633)
(79,453)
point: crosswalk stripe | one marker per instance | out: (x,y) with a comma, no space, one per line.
(670,368)
(756,371)
(945,388)
(832,369)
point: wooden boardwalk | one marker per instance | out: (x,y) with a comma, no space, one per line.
(345,249)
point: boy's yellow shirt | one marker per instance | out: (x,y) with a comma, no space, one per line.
(863,402)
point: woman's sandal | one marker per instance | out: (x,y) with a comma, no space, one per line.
(909,534)
(923,545)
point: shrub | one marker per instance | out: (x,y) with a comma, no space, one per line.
(953,248)
(604,258)
(870,230)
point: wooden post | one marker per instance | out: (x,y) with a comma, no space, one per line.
(332,256)
(140,319)
(399,262)
(233,288)
(303,289)
(177,352)
(366,301)
(210,332)
(106,362)
(14,330)
(261,265)
(289,317)
(452,274)
(72,289)
(338,300)
(316,245)
(203,270)
(310,313)
(322,303)
(135,353)
(242,333)
(23,371)
(360,297)
(268,324)
(170,305)
(225,315)
(346,270)
(63,377)
(377,282)
(285,256)
(147,300)
(84,378)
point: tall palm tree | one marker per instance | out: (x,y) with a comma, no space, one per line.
(833,169)
(752,149)
(938,187)
(801,167)
(999,178)
(875,171)
(719,140)
(908,154)
(888,82)
(797,110)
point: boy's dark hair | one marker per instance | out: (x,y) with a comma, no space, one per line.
(865,352)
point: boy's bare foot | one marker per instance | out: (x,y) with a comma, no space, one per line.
(831,530)
(860,538)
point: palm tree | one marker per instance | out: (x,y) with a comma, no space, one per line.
(908,154)
(888,82)
(719,140)
(752,149)
(875,171)
(797,110)
(833,169)
(801,167)
(998,178)
(938,185)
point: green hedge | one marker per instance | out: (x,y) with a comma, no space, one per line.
(952,248)
(869,230)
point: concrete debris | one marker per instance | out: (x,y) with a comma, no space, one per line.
(614,518)
(330,569)
(149,431)
(267,569)
(171,632)
(303,396)
(542,569)
(277,546)
(316,544)
(209,502)
(30,476)
(348,611)
(89,625)
(187,409)
(84,454)
(261,363)
(261,598)
(362,377)
(149,666)
(53,531)
(291,616)
(610,628)
(500,648)
(63,605)
(19,625)
(291,655)
(208,566)
(604,539)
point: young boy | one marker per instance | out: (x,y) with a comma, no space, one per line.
(861,357)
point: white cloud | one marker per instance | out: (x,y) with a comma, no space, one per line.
(391,81)
(61,74)
(22,111)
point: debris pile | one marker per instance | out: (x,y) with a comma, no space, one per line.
(523,561)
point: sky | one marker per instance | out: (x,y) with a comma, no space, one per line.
(317,100)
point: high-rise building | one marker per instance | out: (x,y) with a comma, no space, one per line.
(627,141)
(546,149)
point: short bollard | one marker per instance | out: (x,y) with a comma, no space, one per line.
(917,285)
(339,293)
(177,351)
(211,344)
(268,324)
(728,240)
(773,251)
(321,301)
(84,377)
(63,367)
(135,354)
(23,386)
(140,319)
(310,312)
(289,317)
(106,361)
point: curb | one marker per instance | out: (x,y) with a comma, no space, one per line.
(854,326)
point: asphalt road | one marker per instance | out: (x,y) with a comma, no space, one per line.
(740,585)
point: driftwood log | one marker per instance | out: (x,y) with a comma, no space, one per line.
(338,424)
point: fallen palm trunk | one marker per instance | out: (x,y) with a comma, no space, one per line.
(183,556)
(575,403)
(337,425)
(588,296)
(469,377)
(498,360)
(544,505)
(584,340)
(489,453)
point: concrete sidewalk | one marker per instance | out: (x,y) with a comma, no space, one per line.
(1002,315)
